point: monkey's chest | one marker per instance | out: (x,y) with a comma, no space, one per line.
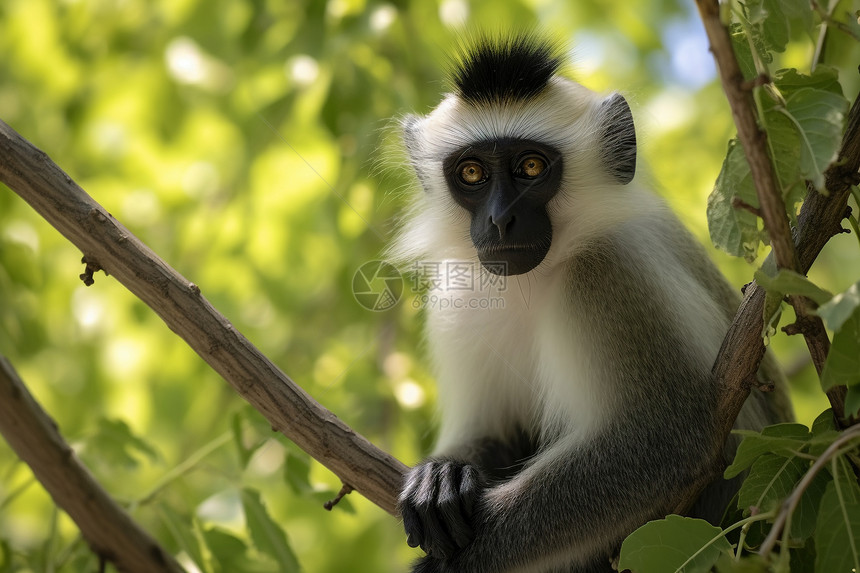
(524,361)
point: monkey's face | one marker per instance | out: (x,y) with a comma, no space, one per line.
(520,183)
(505,184)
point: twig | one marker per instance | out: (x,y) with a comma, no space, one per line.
(827,18)
(112,534)
(738,203)
(790,503)
(344,491)
(753,139)
(52,193)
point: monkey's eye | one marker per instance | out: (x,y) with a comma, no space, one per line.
(471,173)
(531,167)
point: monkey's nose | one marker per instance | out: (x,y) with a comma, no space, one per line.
(503,222)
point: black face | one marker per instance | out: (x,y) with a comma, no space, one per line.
(505,184)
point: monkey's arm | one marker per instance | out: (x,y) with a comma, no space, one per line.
(576,503)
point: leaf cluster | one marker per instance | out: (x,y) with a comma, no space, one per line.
(803,115)
(798,508)
(820,533)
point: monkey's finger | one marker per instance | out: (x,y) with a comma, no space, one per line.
(437,537)
(451,507)
(410,498)
(471,486)
(413,526)
(421,517)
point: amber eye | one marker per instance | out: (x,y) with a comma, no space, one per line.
(532,166)
(471,173)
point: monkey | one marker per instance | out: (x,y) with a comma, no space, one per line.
(579,407)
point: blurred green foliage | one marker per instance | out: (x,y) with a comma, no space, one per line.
(251,144)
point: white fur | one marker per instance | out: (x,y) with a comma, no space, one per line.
(527,363)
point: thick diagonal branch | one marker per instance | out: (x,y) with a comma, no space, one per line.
(109,530)
(108,245)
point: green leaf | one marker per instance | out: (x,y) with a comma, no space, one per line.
(840,308)
(297,469)
(777,286)
(756,15)
(803,558)
(748,564)
(267,535)
(825,78)
(771,479)
(804,125)
(780,439)
(805,517)
(674,544)
(837,535)
(818,117)
(842,366)
(114,444)
(241,438)
(769,23)
(852,401)
(790,282)
(824,422)
(743,52)
(182,532)
(815,108)
(824,431)
(734,230)
(841,470)
(783,141)
(230,554)
(799,15)
(842,315)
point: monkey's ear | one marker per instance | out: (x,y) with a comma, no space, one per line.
(412,141)
(618,138)
(411,134)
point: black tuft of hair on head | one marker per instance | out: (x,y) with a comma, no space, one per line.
(513,68)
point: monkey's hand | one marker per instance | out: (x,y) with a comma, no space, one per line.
(438,505)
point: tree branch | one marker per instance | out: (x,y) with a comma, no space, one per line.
(772,208)
(109,530)
(108,245)
(753,139)
(820,217)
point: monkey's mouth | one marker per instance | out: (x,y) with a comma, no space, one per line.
(505,260)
